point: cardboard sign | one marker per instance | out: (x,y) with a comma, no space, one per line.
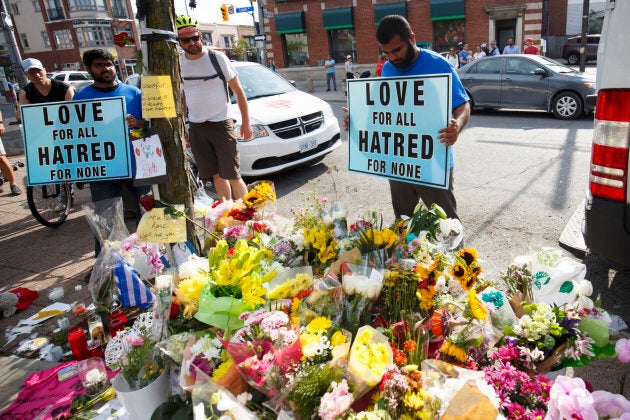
(156,226)
(157,97)
(76,141)
(394,125)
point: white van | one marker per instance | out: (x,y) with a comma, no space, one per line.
(606,228)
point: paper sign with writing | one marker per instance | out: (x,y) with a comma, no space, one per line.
(161,227)
(76,141)
(150,162)
(394,123)
(157,97)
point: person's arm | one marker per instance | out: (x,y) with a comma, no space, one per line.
(69,94)
(22,100)
(1,124)
(241,100)
(448,136)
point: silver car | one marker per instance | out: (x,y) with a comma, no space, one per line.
(528,82)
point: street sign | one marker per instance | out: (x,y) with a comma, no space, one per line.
(244,9)
(260,37)
(267,14)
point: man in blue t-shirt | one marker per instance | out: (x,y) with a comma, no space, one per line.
(398,42)
(100,64)
(329,65)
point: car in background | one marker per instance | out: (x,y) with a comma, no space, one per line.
(75,78)
(291,127)
(133,80)
(527,82)
(571,50)
(606,227)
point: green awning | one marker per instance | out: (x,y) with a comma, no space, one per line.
(447,9)
(290,23)
(339,18)
(382,10)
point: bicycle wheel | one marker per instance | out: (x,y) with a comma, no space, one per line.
(50,204)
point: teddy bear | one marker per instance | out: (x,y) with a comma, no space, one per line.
(7,303)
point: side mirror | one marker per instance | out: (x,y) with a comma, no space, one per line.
(540,72)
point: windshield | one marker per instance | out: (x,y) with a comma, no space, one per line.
(557,67)
(260,82)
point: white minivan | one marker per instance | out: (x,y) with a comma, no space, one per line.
(606,227)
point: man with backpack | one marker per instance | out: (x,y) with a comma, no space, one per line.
(213,139)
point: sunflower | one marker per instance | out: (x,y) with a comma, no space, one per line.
(477,308)
(454,351)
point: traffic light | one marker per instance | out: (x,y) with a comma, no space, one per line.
(224,13)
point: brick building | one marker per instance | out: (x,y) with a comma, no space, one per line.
(302,33)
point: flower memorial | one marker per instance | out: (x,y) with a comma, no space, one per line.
(316,317)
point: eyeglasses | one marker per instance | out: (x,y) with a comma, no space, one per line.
(187,40)
(102,65)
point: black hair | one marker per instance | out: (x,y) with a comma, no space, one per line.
(392,25)
(90,55)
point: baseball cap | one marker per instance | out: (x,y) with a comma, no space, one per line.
(25,296)
(348,56)
(459,44)
(529,40)
(32,63)
(483,45)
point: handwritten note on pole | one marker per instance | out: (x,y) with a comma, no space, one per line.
(159,227)
(157,97)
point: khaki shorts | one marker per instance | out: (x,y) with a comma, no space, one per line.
(214,146)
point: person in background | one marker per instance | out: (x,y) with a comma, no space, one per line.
(329,65)
(272,65)
(452,58)
(478,53)
(5,165)
(398,42)
(484,48)
(212,133)
(100,64)
(511,48)
(465,56)
(349,68)
(494,50)
(382,59)
(530,48)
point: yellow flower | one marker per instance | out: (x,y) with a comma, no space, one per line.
(253,198)
(477,308)
(188,292)
(389,238)
(222,370)
(469,255)
(454,351)
(253,291)
(413,401)
(337,339)
(295,306)
(291,287)
(319,325)
(425,296)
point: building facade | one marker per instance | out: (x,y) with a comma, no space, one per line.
(57,32)
(304,32)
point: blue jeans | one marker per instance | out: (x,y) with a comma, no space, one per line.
(103,190)
(329,77)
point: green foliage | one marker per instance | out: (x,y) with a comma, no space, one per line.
(311,383)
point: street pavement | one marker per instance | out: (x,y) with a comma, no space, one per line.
(41,258)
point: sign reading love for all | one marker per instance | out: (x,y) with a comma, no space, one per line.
(150,162)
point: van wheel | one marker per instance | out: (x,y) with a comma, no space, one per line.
(567,106)
(573,58)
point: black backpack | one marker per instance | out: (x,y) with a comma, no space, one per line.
(217,68)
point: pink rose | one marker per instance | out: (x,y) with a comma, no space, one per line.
(622,347)
(135,340)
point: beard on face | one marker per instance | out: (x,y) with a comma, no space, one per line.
(193,48)
(408,59)
(105,76)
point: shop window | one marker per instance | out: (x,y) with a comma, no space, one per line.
(447,33)
(296,49)
(342,43)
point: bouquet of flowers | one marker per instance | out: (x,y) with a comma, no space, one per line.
(361,286)
(259,194)
(134,352)
(265,349)
(370,355)
(234,286)
(403,395)
(375,242)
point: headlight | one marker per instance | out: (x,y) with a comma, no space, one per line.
(258,131)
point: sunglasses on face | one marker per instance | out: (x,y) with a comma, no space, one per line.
(187,40)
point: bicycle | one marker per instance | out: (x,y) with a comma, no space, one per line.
(50,204)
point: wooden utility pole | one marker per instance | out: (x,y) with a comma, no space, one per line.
(163,59)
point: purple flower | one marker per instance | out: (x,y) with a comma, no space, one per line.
(622,347)
(610,405)
(570,399)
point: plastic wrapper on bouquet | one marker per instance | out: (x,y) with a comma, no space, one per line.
(362,287)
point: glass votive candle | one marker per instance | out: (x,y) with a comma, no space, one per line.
(95,326)
(116,325)
(95,348)
(94,376)
(78,343)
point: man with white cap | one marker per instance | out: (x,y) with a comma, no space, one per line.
(530,48)
(348,66)
(212,134)
(40,88)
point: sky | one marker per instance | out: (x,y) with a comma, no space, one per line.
(208,11)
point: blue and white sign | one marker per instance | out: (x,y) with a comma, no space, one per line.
(76,141)
(244,9)
(394,125)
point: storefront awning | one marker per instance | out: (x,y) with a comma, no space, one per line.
(290,23)
(339,18)
(382,10)
(447,9)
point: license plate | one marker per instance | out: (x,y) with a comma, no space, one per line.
(308,145)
